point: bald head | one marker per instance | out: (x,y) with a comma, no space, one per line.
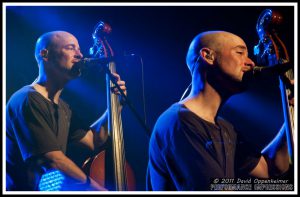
(49,41)
(214,40)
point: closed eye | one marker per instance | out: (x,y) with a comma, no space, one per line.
(241,50)
(71,47)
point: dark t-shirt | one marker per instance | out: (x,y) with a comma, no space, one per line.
(34,126)
(186,152)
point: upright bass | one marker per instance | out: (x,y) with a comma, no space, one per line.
(271,51)
(109,168)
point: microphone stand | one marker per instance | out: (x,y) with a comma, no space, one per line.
(125,98)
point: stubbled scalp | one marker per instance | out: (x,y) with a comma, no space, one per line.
(214,40)
(48,41)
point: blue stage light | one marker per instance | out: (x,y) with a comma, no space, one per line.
(51,181)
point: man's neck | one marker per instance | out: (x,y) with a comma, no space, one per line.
(205,103)
(49,89)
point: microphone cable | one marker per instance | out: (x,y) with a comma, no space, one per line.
(186,91)
(190,85)
(143,90)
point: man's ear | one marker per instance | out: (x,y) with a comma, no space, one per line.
(44,53)
(207,55)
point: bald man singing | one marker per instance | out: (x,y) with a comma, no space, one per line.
(39,124)
(191,147)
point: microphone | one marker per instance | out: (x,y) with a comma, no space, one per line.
(260,71)
(277,69)
(85,63)
(100,62)
(95,61)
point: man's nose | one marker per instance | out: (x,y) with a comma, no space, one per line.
(78,55)
(249,62)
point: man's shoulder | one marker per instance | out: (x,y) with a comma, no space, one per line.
(165,125)
(25,95)
(21,94)
(169,120)
(170,114)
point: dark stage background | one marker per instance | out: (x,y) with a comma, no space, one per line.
(159,36)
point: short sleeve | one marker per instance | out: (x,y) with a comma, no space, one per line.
(32,128)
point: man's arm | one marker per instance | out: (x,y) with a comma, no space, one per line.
(58,160)
(275,158)
(98,133)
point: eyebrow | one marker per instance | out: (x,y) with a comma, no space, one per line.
(240,47)
(72,45)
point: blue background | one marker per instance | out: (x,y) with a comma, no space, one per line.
(159,37)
